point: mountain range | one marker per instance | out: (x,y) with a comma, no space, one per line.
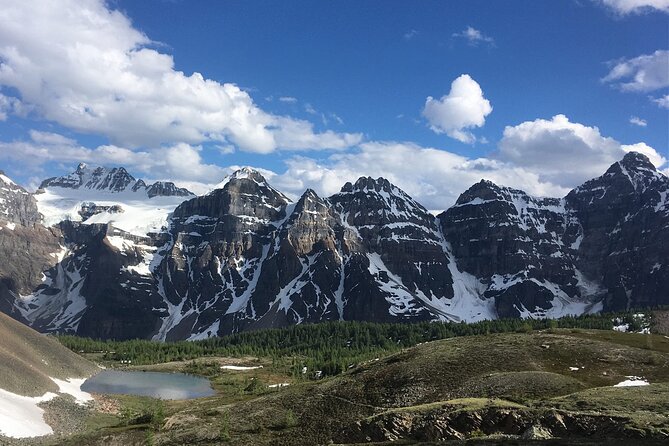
(101,254)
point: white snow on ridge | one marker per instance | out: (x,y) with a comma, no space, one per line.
(633,381)
(6,179)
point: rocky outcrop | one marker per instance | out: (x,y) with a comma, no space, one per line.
(89,209)
(448,423)
(598,248)
(166,189)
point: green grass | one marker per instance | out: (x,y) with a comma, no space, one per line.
(465,374)
(524,372)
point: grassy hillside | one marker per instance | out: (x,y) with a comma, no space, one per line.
(498,380)
(28,359)
(468,387)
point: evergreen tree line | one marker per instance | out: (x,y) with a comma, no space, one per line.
(330,347)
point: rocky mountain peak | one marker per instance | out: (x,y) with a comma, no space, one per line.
(636,161)
(249,173)
(243,193)
(114,180)
(310,202)
(163,189)
(377,201)
(484,190)
(245,173)
(627,179)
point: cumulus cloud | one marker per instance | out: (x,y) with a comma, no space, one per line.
(83,65)
(624,7)
(474,37)
(7,105)
(635,120)
(562,152)
(464,107)
(433,177)
(644,73)
(181,161)
(652,154)
(542,157)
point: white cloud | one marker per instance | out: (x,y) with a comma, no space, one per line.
(544,158)
(644,73)
(288,99)
(310,109)
(641,147)
(181,162)
(434,177)
(86,67)
(7,106)
(636,6)
(464,107)
(564,153)
(410,34)
(638,121)
(474,37)
(662,101)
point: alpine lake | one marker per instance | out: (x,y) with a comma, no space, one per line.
(165,386)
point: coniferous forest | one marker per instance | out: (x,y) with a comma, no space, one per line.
(330,347)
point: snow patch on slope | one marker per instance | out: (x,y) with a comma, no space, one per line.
(21,417)
(72,386)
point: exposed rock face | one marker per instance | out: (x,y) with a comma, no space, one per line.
(605,238)
(114,180)
(624,223)
(520,246)
(16,204)
(245,257)
(101,286)
(257,260)
(446,423)
(26,247)
(89,209)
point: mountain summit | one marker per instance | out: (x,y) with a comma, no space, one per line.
(112,180)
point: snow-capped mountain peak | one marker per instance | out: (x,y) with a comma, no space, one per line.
(114,180)
(244,173)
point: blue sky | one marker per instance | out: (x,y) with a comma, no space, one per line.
(546,94)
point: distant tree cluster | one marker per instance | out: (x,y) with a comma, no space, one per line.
(329,347)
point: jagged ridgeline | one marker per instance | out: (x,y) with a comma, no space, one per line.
(245,256)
